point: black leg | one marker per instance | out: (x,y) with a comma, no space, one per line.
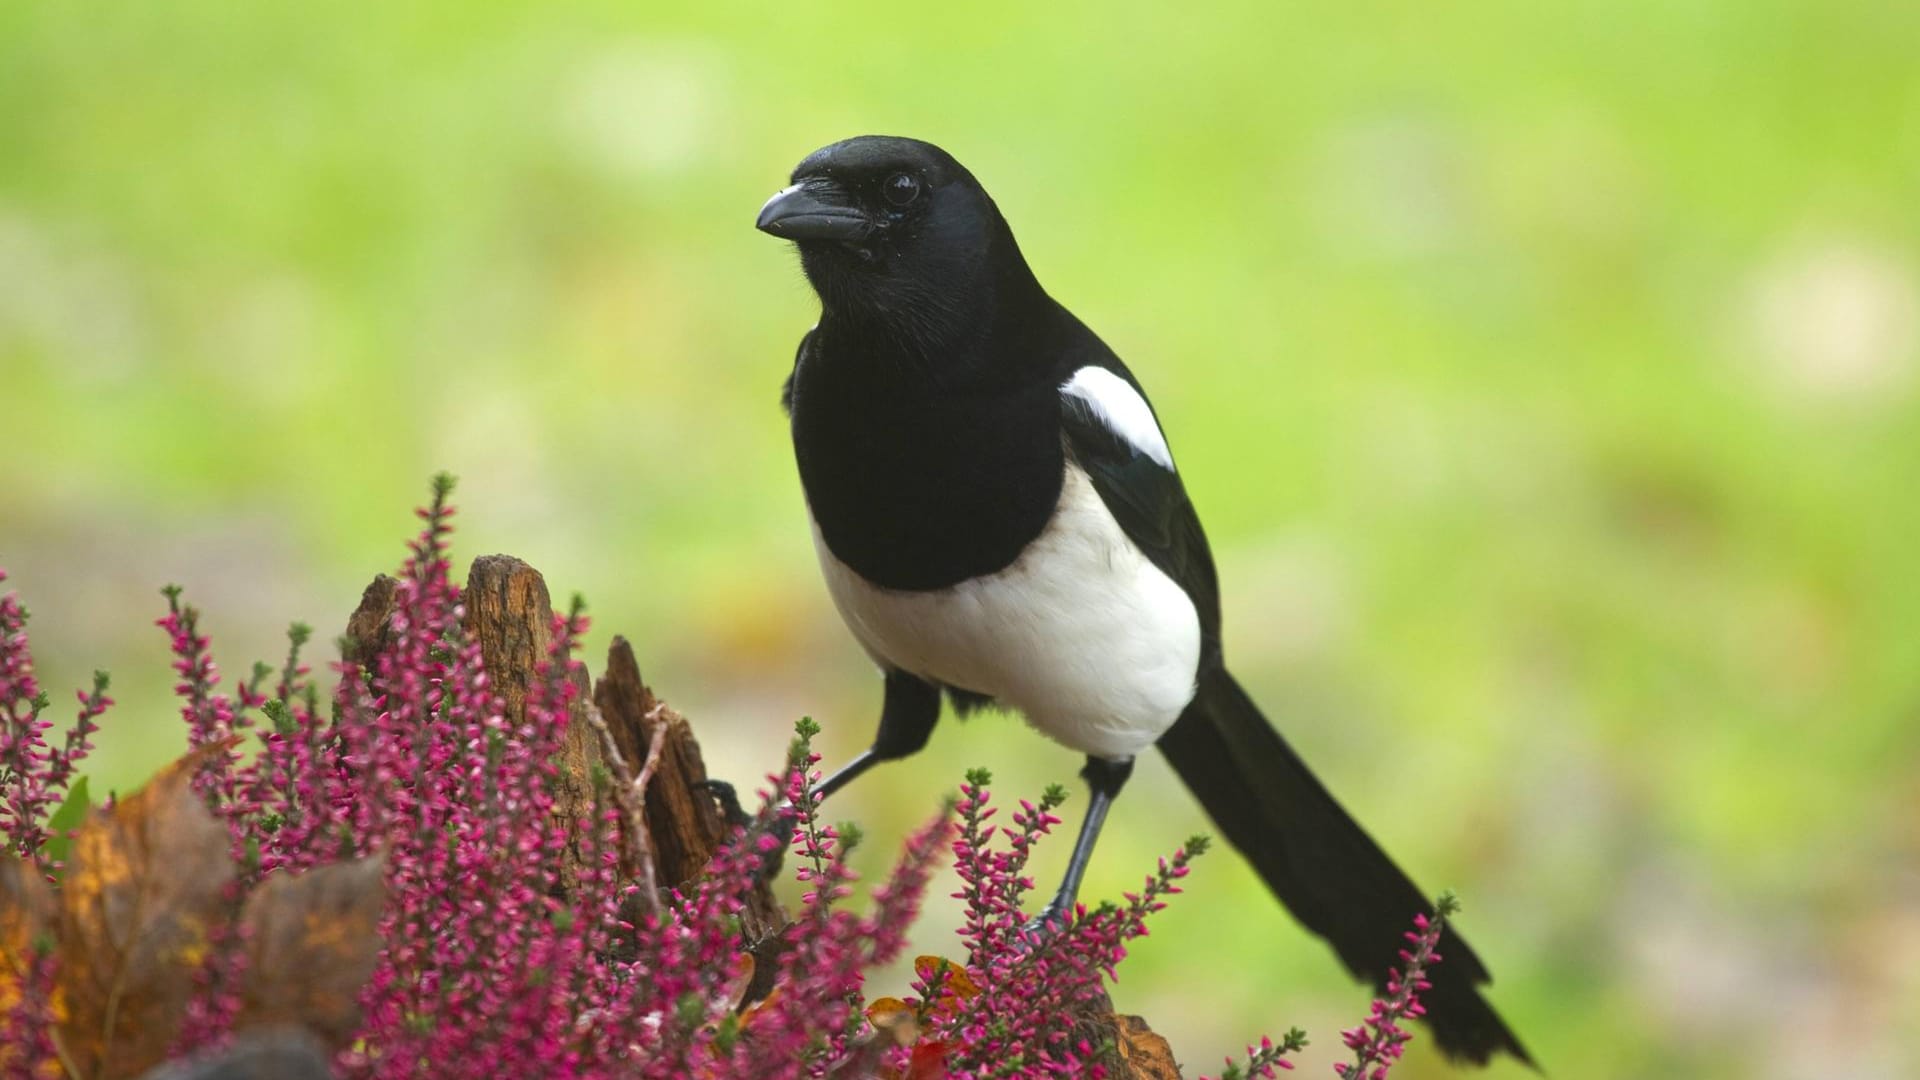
(1105,777)
(907,717)
(728,797)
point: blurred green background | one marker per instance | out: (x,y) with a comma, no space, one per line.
(1545,375)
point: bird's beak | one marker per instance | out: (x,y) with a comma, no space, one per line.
(813,210)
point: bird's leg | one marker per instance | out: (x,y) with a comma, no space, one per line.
(1105,777)
(844,775)
(907,716)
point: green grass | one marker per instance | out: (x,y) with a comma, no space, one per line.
(1545,375)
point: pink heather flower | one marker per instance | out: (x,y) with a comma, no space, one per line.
(209,715)
(1031,987)
(1379,1041)
(1264,1062)
(26,1030)
(33,775)
(487,970)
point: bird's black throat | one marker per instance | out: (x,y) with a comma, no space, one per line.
(920,478)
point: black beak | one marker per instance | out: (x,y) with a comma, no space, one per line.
(813,210)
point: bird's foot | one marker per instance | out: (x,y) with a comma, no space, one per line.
(1047,925)
(778,826)
(728,799)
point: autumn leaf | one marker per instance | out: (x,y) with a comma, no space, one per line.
(927,1062)
(895,1018)
(26,923)
(142,891)
(26,930)
(312,940)
(739,983)
(952,978)
(748,1014)
(948,985)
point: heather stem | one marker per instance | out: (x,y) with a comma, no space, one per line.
(1380,1040)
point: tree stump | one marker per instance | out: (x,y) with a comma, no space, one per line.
(510,613)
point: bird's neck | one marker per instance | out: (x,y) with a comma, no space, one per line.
(980,323)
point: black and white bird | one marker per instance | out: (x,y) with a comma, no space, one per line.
(999,517)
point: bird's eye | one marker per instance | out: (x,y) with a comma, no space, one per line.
(901,188)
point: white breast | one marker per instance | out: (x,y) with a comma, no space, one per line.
(1082,634)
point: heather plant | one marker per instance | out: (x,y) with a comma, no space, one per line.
(1029,989)
(34,775)
(1379,1041)
(387,873)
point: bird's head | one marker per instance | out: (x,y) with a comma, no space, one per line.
(896,230)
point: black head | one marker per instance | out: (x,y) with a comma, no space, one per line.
(896,230)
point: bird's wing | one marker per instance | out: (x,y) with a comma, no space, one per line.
(1112,434)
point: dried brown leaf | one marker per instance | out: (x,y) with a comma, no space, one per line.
(952,978)
(1144,1055)
(894,1019)
(312,940)
(26,922)
(26,926)
(928,1061)
(143,889)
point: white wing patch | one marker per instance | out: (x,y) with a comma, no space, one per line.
(1121,408)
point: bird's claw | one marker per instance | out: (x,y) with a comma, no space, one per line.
(1048,924)
(728,800)
(780,826)
(736,817)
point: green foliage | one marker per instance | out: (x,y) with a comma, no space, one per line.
(280,716)
(72,811)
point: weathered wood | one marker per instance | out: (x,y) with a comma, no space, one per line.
(1138,1053)
(510,613)
(367,626)
(683,821)
(684,825)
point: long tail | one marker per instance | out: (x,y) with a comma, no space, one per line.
(1320,863)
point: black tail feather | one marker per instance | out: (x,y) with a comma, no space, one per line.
(1320,863)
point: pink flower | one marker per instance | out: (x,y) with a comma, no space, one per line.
(33,774)
(489,969)
(1380,1040)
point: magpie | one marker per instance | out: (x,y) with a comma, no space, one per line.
(999,519)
